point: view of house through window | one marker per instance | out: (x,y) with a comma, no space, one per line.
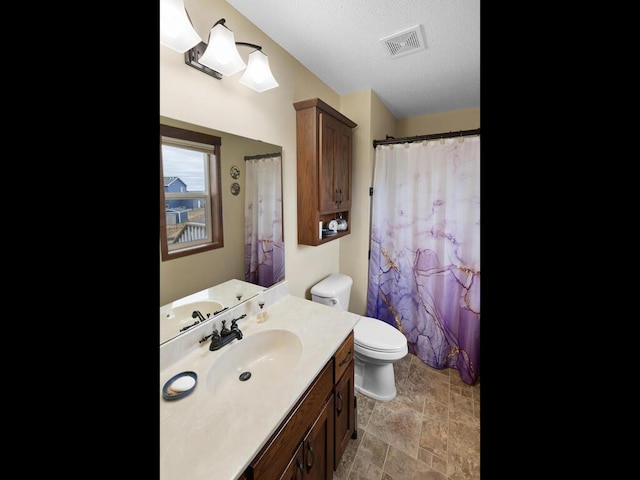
(191,203)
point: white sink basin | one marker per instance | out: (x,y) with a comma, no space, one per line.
(178,317)
(254,364)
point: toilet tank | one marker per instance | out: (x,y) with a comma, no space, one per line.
(333,291)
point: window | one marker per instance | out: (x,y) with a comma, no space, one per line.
(190,192)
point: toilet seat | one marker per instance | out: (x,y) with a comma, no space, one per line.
(378,336)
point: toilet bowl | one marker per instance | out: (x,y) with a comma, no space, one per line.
(377,344)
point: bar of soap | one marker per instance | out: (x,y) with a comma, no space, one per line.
(183,383)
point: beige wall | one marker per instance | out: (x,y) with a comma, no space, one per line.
(467,119)
(374,122)
(228,106)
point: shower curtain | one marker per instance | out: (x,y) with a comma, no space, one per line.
(264,243)
(424,270)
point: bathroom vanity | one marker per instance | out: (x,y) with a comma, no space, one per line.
(296,413)
(316,429)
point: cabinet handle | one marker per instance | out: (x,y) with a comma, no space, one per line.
(346,359)
(313,455)
(300,467)
(339,409)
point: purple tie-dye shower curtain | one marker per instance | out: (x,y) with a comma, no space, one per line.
(424,271)
(264,241)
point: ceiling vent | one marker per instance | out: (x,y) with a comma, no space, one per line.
(405,42)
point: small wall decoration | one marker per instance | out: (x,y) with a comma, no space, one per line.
(235,172)
(235,188)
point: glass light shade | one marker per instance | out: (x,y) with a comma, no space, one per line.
(176,30)
(221,53)
(258,74)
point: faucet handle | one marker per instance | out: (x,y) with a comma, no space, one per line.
(215,335)
(224,331)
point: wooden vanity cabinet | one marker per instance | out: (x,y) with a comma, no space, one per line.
(311,458)
(318,446)
(309,426)
(324,139)
(309,443)
(344,398)
(295,469)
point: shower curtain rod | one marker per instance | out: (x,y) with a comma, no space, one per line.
(460,133)
(264,155)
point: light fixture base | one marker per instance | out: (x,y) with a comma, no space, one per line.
(192,56)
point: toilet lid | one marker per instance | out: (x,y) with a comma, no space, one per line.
(377,335)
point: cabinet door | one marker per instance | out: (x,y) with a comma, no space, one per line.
(329,133)
(344,417)
(295,469)
(334,164)
(318,445)
(342,167)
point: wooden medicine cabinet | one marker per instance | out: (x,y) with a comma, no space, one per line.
(324,155)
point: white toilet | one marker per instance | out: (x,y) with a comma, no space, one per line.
(377,344)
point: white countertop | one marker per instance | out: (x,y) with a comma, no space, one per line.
(207,436)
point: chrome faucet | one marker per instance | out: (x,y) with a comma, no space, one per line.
(226,335)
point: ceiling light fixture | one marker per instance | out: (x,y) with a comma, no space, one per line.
(221,54)
(176,29)
(258,75)
(220,57)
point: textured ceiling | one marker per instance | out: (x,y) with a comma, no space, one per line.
(339,41)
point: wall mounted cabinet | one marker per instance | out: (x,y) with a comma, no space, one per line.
(324,156)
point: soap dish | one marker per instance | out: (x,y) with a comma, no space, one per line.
(169,394)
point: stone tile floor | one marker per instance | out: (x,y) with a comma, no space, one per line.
(430,431)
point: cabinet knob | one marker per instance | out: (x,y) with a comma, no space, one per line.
(313,455)
(345,359)
(300,468)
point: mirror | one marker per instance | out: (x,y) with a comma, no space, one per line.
(214,274)
(178,317)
